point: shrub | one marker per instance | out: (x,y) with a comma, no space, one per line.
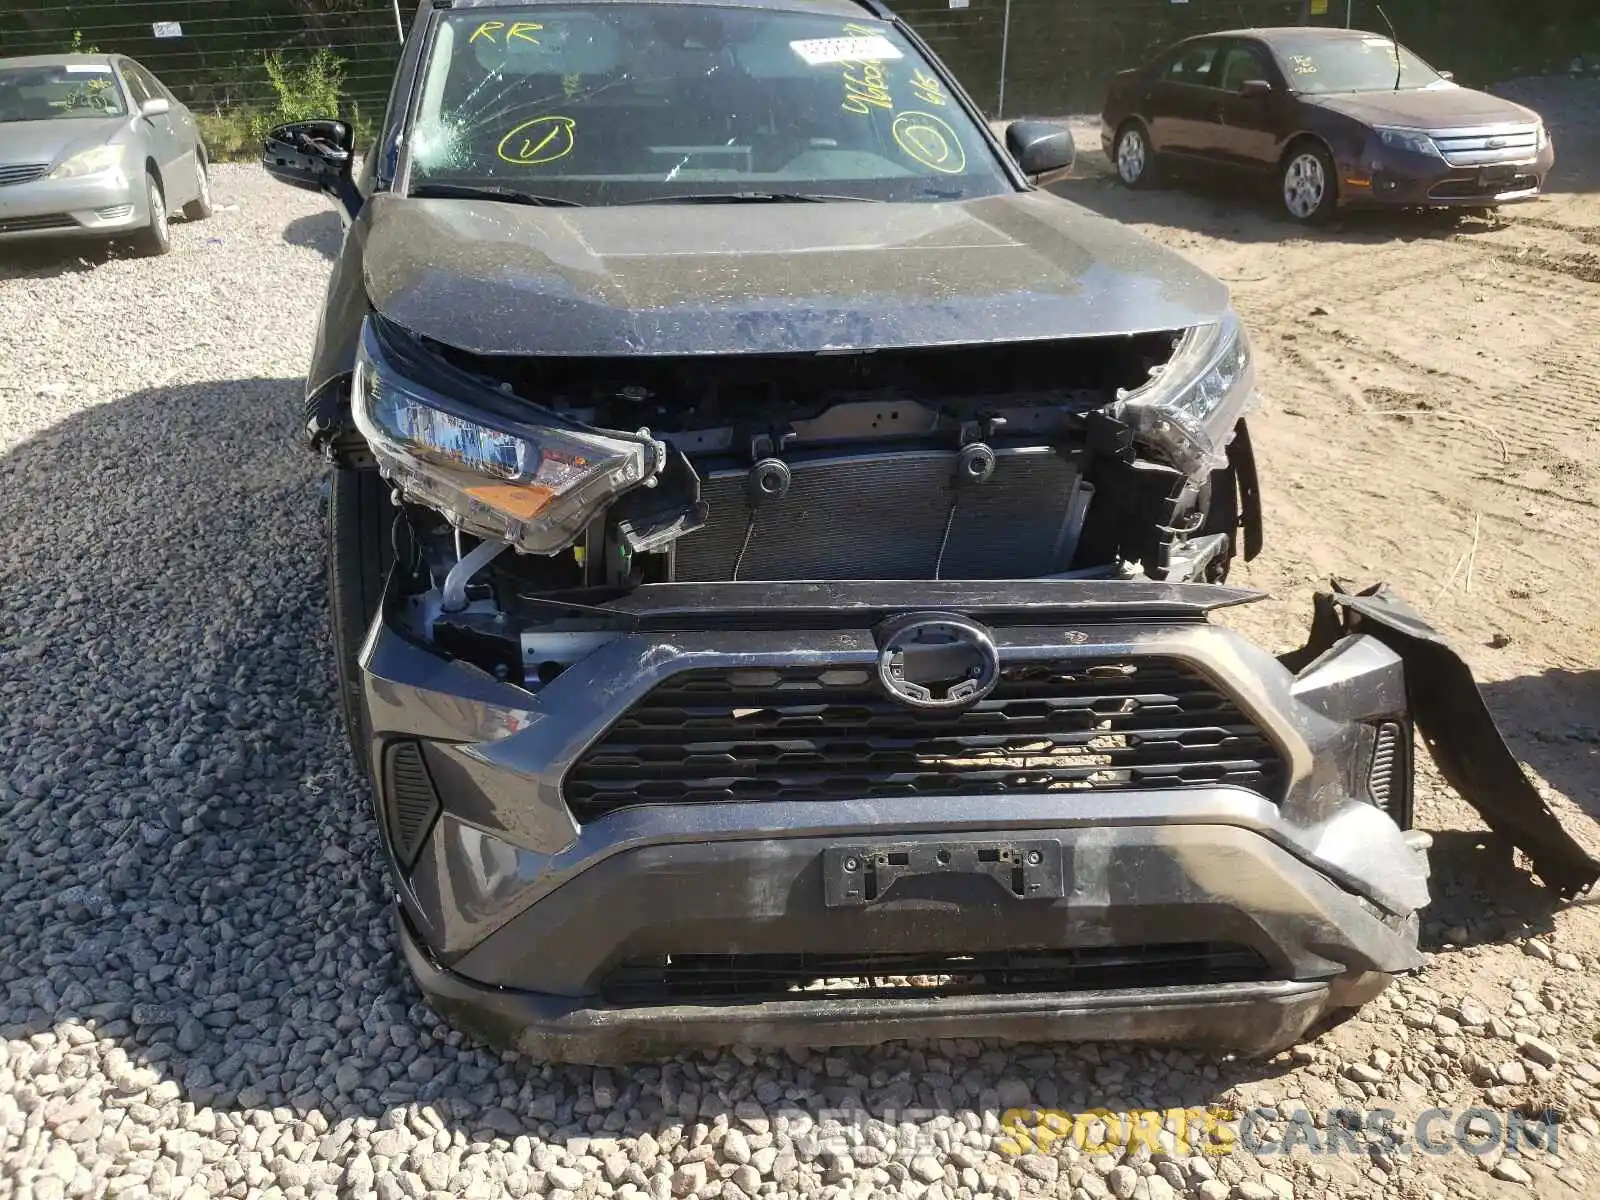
(305,88)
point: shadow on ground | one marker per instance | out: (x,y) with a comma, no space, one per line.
(47,258)
(321,232)
(1482,894)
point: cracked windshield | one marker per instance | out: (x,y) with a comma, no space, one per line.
(635,103)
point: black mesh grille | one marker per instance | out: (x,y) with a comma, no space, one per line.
(832,734)
(22,172)
(413,804)
(1014,526)
(1389,779)
(35,224)
(734,977)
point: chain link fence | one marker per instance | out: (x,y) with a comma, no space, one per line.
(243,64)
(240,65)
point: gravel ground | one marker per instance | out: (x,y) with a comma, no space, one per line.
(198,994)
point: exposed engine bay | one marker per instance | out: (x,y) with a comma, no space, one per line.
(988,462)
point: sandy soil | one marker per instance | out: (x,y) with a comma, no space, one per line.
(1479,504)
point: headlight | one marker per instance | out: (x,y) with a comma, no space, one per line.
(1188,411)
(1409,139)
(534,486)
(88,162)
(1541,136)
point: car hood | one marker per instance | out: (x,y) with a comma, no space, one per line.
(50,141)
(769,278)
(1426,108)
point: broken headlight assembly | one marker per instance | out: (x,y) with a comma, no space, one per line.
(495,467)
(1188,410)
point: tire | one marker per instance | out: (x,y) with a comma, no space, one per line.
(155,239)
(360,553)
(1308,184)
(200,207)
(1133,158)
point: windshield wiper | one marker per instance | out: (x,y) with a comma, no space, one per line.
(754,198)
(465,191)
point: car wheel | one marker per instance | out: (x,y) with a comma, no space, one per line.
(200,207)
(155,238)
(1133,157)
(1310,184)
(360,553)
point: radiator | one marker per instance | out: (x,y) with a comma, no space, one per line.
(892,516)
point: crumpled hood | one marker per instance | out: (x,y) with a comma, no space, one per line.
(1427,108)
(51,141)
(769,278)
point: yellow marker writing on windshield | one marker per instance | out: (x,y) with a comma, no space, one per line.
(930,141)
(926,87)
(523,32)
(541,140)
(487,30)
(869,90)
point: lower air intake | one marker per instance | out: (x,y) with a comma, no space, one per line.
(738,977)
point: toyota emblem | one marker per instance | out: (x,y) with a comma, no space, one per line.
(937,661)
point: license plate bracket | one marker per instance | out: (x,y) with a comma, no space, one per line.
(1023,870)
(1494,177)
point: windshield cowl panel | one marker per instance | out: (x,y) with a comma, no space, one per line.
(633,103)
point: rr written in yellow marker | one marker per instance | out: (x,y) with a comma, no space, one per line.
(521,31)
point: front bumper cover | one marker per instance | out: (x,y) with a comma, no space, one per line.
(514,915)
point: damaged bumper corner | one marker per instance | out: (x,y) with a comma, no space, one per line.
(1458,728)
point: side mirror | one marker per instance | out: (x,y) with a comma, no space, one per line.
(156,106)
(1450,75)
(314,156)
(1042,150)
(1255,89)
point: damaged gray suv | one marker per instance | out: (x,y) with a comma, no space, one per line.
(772,544)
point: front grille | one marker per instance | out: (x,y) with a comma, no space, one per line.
(906,517)
(22,172)
(34,224)
(1476,147)
(831,733)
(728,978)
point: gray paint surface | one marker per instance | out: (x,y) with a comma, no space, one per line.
(775,278)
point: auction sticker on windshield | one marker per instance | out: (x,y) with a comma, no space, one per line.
(820,51)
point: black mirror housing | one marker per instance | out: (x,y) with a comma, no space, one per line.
(1255,89)
(1040,148)
(315,156)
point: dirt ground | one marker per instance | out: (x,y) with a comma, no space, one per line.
(1477,500)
